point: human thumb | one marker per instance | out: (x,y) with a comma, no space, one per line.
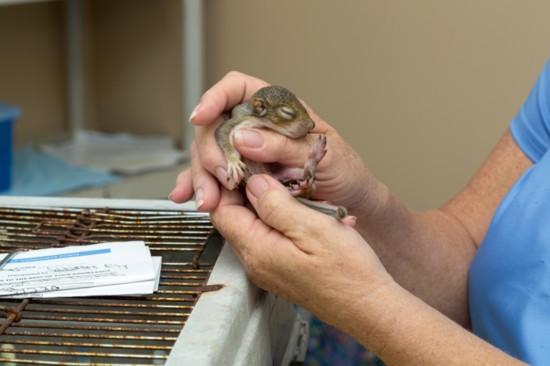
(274,204)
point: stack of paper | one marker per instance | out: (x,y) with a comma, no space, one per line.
(117,268)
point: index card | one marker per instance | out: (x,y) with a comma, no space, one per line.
(77,267)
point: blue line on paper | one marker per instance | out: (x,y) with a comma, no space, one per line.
(61,256)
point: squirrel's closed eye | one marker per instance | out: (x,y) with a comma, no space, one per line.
(286,113)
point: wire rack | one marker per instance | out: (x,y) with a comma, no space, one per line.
(138,330)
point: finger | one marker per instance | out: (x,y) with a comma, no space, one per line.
(232,89)
(263,251)
(242,236)
(183,191)
(230,198)
(210,157)
(278,209)
(290,154)
(205,186)
(239,234)
(267,146)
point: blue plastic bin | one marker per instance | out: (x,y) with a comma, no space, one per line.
(8,115)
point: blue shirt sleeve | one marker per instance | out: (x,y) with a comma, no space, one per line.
(531,126)
(509,283)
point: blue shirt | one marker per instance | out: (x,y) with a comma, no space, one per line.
(509,280)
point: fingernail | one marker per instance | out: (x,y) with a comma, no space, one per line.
(194,112)
(249,138)
(257,186)
(199,198)
(171,195)
(221,174)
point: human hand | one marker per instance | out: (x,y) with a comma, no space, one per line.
(341,177)
(297,253)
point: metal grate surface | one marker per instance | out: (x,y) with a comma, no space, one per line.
(105,330)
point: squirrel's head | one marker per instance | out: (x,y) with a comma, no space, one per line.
(283,108)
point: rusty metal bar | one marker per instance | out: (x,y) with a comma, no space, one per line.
(79,331)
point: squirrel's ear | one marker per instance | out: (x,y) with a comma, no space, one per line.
(258,106)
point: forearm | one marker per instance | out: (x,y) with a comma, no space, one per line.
(403,330)
(428,253)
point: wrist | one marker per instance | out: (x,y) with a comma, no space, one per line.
(372,315)
(380,213)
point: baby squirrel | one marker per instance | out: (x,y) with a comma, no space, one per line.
(278,109)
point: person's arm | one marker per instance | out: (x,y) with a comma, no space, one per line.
(429,252)
(327,268)
(403,330)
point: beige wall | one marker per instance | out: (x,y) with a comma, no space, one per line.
(421,89)
(136,62)
(32,67)
(133,67)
